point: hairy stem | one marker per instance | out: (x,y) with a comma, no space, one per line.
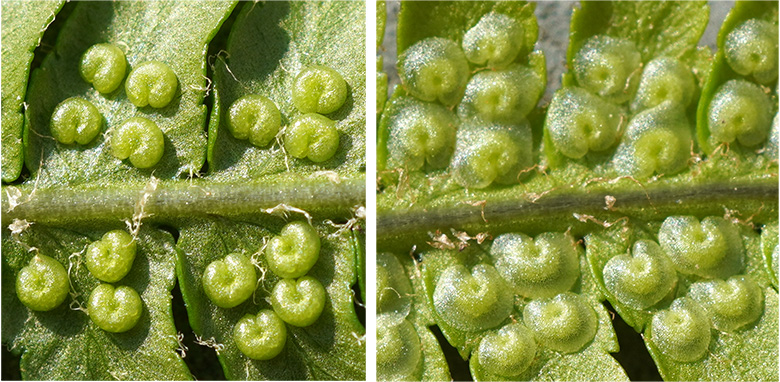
(580,210)
(170,200)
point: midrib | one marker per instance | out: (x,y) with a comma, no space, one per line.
(172,200)
(754,199)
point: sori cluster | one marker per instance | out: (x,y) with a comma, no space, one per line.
(504,305)
(151,83)
(465,104)
(317,90)
(639,109)
(689,281)
(624,109)
(43,284)
(296,299)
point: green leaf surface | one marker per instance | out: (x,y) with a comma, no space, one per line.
(381,87)
(381,76)
(331,348)
(359,247)
(722,72)
(175,33)
(418,20)
(589,365)
(746,355)
(421,19)
(381,19)
(23,25)
(268,45)
(657,28)
(433,366)
(769,247)
(592,362)
(588,198)
(87,190)
(64,344)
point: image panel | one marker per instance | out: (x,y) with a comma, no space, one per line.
(577,191)
(183,190)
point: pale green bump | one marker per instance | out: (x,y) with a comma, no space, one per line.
(711,248)
(495,40)
(140,140)
(254,117)
(609,67)
(683,331)
(507,352)
(230,281)
(656,141)
(104,66)
(564,323)
(298,303)
(732,304)
(422,135)
(740,111)
(42,285)
(491,154)
(110,258)
(151,83)
(393,288)
(261,337)
(75,120)
(114,310)
(319,89)
(398,350)
(664,79)
(579,122)
(541,267)
(642,279)
(503,96)
(312,136)
(472,301)
(293,253)
(434,69)
(751,49)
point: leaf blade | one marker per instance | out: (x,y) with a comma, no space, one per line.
(24,23)
(64,343)
(330,348)
(268,45)
(174,33)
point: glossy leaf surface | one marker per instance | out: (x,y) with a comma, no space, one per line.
(268,46)
(176,34)
(23,25)
(331,348)
(64,343)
